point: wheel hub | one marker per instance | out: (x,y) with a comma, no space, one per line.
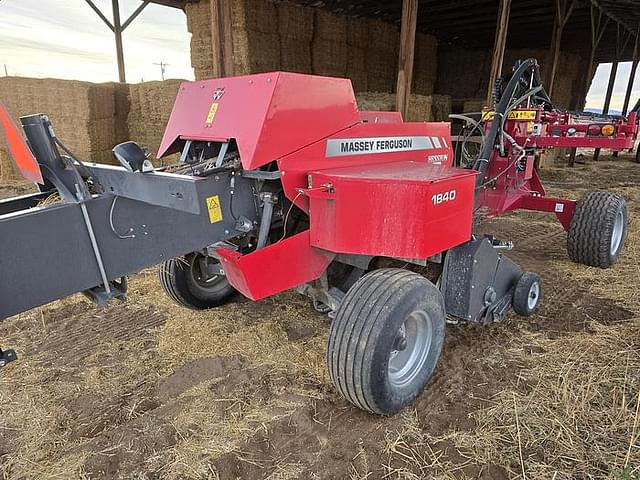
(534,293)
(616,235)
(410,349)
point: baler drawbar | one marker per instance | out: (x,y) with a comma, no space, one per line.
(283,183)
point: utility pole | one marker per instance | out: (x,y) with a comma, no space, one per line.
(6,72)
(163,67)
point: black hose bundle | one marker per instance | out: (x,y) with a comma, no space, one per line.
(501,110)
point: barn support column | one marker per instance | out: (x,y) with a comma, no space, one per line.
(564,8)
(407,52)
(612,80)
(117,28)
(221,38)
(632,76)
(499,46)
(598,26)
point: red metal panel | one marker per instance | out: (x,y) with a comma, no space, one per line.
(270,115)
(399,209)
(275,268)
(297,165)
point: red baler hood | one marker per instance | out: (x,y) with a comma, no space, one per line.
(269,114)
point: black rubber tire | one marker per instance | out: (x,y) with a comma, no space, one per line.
(591,232)
(524,291)
(178,282)
(637,157)
(363,336)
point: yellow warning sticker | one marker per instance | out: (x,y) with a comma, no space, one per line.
(212,112)
(213,207)
(513,115)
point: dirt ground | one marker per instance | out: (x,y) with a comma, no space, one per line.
(148,390)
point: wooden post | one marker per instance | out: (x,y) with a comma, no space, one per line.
(564,8)
(632,75)
(407,52)
(499,46)
(117,29)
(221,38)
(612,80)
(598,26)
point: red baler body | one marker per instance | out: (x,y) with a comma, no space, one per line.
(371,183)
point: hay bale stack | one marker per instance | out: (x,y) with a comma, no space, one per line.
(425,64)
(83,115)
(329,46)
(151,105)
(473,105)
(295,28)
(439,108)
(463,73)
(382,55)
(199,25)
(256,43)
(376,101)
(357,42)
(429,108)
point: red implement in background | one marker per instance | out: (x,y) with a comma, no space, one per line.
(18,148)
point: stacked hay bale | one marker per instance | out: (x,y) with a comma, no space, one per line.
(382,56)
(199,25)
(422,108)
(295,28)
(256,44)
(329,46)
(151,105)
(83,115)
(425,64)
(357,43)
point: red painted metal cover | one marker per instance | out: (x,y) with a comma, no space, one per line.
(269,115)
(398,209)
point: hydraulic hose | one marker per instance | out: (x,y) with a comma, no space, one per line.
(482,162)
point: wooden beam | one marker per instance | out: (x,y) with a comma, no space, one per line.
(564,8)
(221,38)
(632,76)
(117,29)
(598,27)
(499,46)
(407,51)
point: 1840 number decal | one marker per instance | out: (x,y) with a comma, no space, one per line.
(439,198)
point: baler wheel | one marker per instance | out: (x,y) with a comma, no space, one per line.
(386,339)
(182,280)
(598,229)
(526,296)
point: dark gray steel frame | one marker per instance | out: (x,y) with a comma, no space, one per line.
(46,252)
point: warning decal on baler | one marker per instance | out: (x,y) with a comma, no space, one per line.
(364,146)
(214,209)
(212,112)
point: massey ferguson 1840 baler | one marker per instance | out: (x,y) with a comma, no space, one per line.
(282,183)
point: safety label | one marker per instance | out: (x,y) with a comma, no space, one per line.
(212,112)
(513,115)
(213,207)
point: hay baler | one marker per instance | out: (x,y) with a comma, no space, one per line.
(281,183)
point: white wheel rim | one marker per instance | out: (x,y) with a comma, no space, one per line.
(616,235)
(406,364)
(534,295)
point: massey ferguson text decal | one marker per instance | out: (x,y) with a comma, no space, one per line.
(362,146)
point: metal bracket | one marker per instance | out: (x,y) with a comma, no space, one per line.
(7,356)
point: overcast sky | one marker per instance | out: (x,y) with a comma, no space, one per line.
(66,39)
